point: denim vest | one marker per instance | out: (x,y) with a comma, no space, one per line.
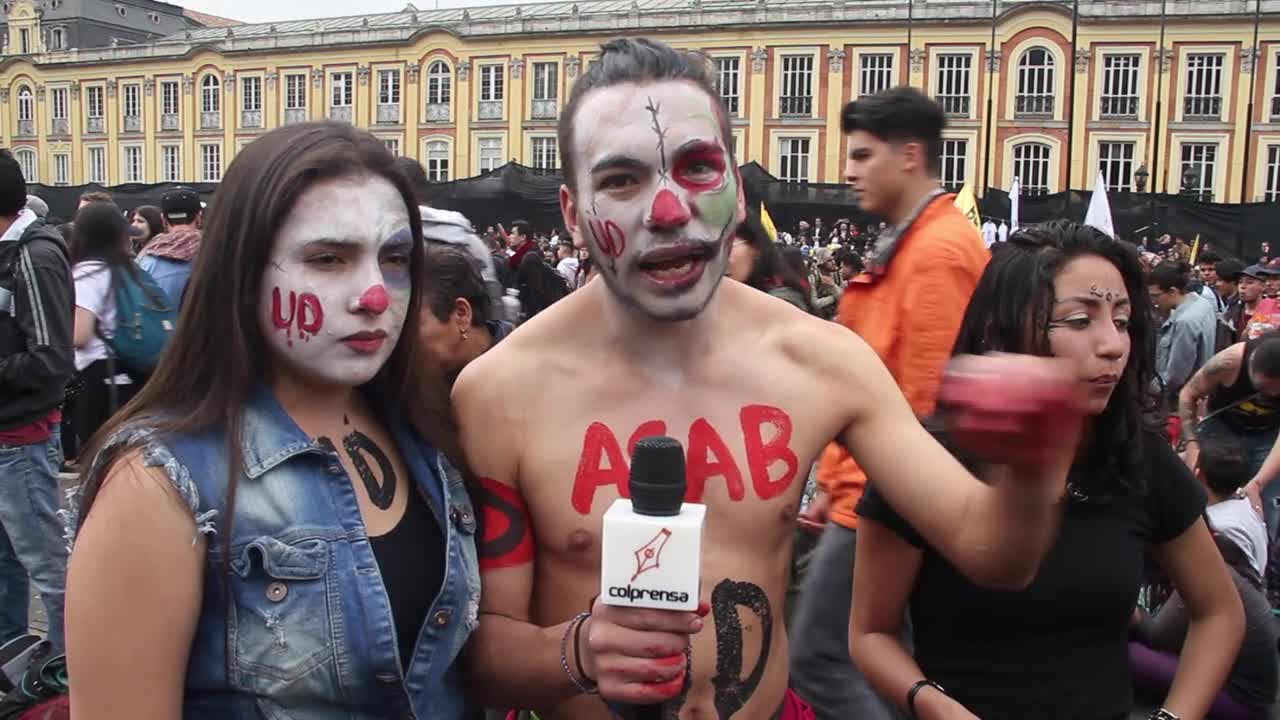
(304,630)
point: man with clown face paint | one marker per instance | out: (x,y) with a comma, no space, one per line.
(752,387)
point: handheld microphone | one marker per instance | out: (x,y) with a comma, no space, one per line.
(651,545)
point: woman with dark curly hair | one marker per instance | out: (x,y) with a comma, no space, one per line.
(1057,648)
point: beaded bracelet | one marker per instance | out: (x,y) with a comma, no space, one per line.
(581,685)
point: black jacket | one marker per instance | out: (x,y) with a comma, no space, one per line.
(37,305)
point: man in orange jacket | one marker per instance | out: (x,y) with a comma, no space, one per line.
(908,306)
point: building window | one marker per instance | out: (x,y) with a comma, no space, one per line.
(546,90)
(94,103)
(60,110)
(26,158)
(1203,100)
(97,164)
(953,155)
(171,163)
(1035,83)
(953,83)
(343,94)
(1115,160)
(545,156)
(1201,160)
(1273,174)
(132,101)
(728,74)
(24,41)
(1031,167)
(438,161)
(295,92)
(875,73)
(491,79)
(122,11)
(1120,86)
(155,18)
(133,164)
(211,163)
(211,94)
(491,155)
(392,145)
(26,105)
(1275,93)
(793,159)
(797,86)
(251,94)
(57,39)
(388,96)
(439,92)
(169,98)
(61,169)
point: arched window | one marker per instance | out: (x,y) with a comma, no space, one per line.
(26,105)
(1035,83)
(211,94)
(1031,167)
(438,160)
(26,158)
(439,91)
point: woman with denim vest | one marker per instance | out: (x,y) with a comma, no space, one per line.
(271,528)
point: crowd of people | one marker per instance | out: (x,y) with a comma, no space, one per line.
(341,454)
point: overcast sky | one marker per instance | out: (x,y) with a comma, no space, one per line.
(280,10)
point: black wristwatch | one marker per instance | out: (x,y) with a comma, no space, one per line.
(1162,714)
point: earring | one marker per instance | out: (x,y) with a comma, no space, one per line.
(464,335)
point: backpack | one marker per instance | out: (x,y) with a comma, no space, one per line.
(144,320)
(540,284)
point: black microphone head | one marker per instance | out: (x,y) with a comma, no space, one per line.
(657,476)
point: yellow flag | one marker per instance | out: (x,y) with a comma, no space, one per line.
(1195,249)
(968,204)
(768,223)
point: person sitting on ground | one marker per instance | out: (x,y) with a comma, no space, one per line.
(1158,640)
(1223,467)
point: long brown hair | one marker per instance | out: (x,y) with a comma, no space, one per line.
(218,353)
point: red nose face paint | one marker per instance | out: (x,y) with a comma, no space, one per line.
(375,300)
(667,209)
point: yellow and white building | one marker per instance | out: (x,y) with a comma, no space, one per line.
(464,91)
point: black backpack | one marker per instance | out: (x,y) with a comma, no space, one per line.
(539,283)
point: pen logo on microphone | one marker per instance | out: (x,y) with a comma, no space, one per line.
(649,555)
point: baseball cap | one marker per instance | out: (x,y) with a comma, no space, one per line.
(181,205)
(1274,267)
(1257,272)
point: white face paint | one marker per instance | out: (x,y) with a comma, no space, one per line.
(658,198)
(336,289)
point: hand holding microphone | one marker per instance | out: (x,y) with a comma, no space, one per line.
(638,635)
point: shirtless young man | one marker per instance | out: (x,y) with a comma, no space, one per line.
(751,386)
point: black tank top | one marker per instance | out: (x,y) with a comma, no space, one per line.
(411,558)
(1240,410)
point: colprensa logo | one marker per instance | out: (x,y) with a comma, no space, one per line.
(633,594)
(649,555)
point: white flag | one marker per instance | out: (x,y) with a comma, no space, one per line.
(1014,192)
(1099,214)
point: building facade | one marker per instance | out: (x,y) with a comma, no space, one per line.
(1184,98)
(46,26)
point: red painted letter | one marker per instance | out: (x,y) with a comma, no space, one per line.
(599,444)
(310,314)
(762,455)
(704,439)
(508,532)
(277,312)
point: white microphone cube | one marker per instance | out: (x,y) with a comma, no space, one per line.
(650,561)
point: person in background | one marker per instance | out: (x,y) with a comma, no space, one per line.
(169,257)
(38,206)
(907,306)
(755,260)
(850,264)
(100,253)
(36,364)
(1158,641)
(1187,335)
(459,322)
(802,234)
(1251,287)
(93,196)
(520,242)
(147,222)
(567,262)
(826,283)
(1206,281)
(1271,285)
(1056,648)
(988,231)
(1229,272)
(1223,468)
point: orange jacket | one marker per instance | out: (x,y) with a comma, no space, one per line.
(910,316)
